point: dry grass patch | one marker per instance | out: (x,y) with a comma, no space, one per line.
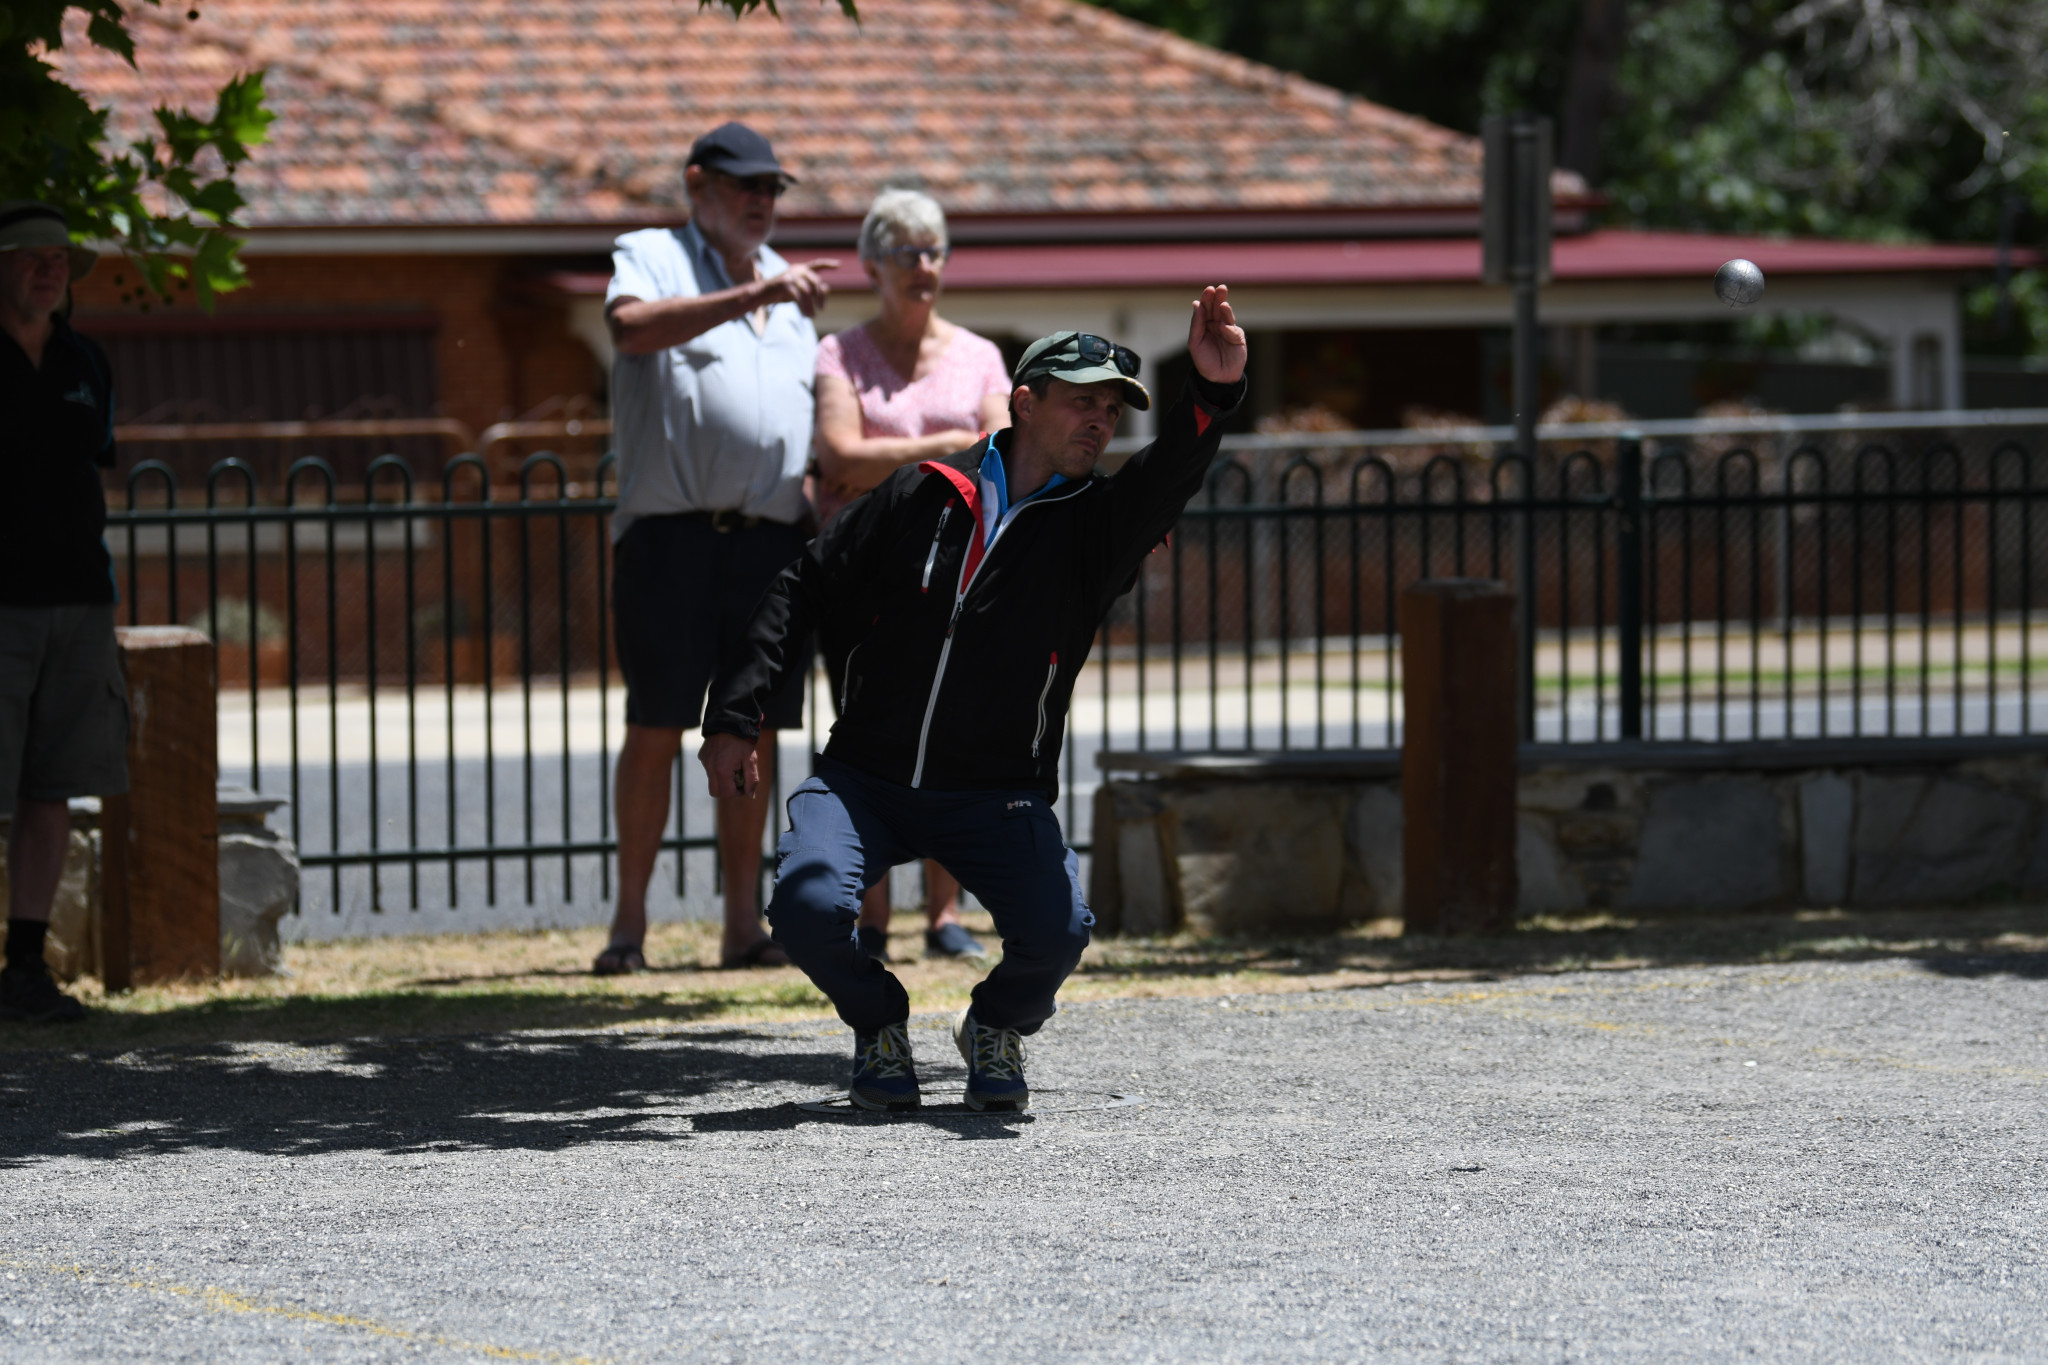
(1377,953)
(479,983)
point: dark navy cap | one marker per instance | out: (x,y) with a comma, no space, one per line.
(736,149)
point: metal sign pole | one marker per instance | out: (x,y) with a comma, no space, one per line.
(1515,250)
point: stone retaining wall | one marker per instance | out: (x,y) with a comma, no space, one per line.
(259,885)
(1313,841)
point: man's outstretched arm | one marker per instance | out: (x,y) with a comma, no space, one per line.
(733,711)
(1153,486)
(797,599)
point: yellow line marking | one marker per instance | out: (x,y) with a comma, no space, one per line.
(218,1300)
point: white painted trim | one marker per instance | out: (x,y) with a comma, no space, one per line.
(1897,309)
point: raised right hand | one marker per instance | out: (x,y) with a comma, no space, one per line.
(803,285)
(1215,341)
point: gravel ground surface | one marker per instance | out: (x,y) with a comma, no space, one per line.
(1821,1161)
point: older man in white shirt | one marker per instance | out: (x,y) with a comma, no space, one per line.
(712,406)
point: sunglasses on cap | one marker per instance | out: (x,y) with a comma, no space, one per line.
(1094,350)
(908,257)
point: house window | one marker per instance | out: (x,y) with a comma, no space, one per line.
(270,368)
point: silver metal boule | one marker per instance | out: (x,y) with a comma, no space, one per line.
(1739,283)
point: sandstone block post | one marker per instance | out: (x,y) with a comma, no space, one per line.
(1459,678)
(160,875)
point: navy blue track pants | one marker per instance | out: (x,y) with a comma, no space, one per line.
(847,829)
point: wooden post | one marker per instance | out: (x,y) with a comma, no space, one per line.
(160,843)
(1458,664)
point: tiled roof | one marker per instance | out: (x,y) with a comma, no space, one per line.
(410,112)
(340,152)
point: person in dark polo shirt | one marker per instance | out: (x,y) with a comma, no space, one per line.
(63,705)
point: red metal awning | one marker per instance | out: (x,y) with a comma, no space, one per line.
(1611,254)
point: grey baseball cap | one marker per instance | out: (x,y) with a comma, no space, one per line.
(31,222)
(1084,358)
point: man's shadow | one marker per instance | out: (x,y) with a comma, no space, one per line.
(961,1122)
(402,1095)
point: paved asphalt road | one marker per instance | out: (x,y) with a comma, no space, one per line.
(1837,1162)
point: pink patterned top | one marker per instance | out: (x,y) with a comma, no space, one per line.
(947,399)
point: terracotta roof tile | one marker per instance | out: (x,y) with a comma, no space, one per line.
(559,111)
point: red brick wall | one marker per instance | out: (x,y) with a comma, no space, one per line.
(502,347)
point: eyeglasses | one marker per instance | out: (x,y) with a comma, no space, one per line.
(771,186)
(910,257)
(1094,350)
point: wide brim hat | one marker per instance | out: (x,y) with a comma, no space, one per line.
(30,222)
(1059,357)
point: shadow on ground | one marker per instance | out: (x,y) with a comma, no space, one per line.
(410,1008)
(394,1096)
(2028,966)
(1954,942)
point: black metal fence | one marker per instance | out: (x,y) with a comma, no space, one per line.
(1699,585)
(423,666)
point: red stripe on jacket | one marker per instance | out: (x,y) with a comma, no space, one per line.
(970,489)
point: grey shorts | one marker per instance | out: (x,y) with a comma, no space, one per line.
(63,705)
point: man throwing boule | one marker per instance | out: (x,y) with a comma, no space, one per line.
(956,603)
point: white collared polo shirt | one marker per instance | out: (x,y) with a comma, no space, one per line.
(722,422)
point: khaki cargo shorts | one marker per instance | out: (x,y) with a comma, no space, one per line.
(63,705)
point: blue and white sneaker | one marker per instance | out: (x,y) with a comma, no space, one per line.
(884,1076)
(995,1065)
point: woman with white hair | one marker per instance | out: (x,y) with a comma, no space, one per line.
(902,387)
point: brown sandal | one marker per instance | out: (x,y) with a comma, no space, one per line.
(620,959)
(762,952)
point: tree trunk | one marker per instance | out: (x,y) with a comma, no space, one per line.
(1603,25)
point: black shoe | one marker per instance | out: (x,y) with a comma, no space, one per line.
(872,942)
(28,994)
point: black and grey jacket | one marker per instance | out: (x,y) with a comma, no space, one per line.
(952,669)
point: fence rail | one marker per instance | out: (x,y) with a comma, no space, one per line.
(423,664)
(1855,580)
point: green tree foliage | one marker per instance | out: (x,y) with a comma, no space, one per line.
(1860,118)
(166,198)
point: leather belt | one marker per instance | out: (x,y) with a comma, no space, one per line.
(725,520)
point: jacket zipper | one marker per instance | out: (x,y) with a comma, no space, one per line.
(931,703)
(846,682)
(932,557)
(1038,735)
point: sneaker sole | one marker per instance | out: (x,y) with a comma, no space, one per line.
(886,1106)
(1013,1106)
